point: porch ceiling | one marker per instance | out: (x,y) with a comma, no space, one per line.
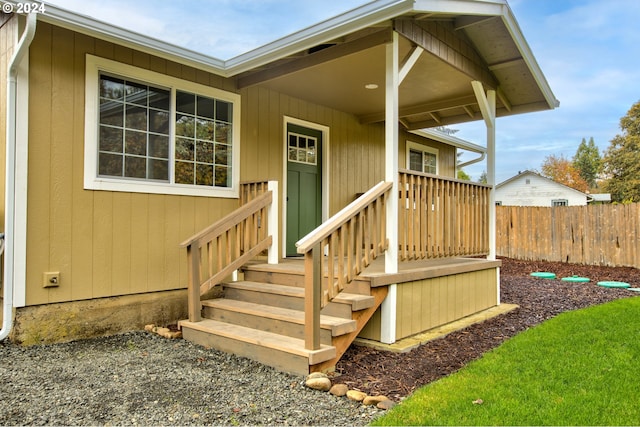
(437,91)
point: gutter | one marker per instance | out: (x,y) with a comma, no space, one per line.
(10,179)
(456,142)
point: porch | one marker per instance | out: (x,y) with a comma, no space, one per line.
(301,314)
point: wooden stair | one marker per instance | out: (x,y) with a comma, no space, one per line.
(262,318)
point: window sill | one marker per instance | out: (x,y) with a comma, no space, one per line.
(105,184)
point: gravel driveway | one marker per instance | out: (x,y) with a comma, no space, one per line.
(140,378)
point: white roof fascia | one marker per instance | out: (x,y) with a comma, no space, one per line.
(516,33)
(345,23)
(330,29)
(93,27)
(496,8)
(450,140)
(463,7)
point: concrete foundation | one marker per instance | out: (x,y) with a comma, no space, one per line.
(69,321)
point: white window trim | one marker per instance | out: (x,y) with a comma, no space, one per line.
(424,148)
(95,65)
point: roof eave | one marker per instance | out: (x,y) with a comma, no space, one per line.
(353,20)
(93,27)
(361,17)
(450,140)
(516,34)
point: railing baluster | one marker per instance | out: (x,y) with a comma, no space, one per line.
(357,233)
(216,243)
(441,217)
(193,260)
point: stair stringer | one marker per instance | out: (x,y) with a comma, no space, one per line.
(343,342)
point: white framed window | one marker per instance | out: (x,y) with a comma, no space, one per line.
(560,202)
(421,158)
(147,132)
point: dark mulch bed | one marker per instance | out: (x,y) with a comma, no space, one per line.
(398,374)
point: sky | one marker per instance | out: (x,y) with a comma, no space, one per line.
(589,51)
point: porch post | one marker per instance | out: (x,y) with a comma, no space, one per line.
(272,226)
(487,105)
(388,308)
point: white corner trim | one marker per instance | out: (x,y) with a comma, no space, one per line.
(388,316)
(22,164)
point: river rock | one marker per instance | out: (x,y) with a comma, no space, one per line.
(386,404)
(317,375)
(322,384)
(356,395)
(339,390)
(161,331)
(374,400)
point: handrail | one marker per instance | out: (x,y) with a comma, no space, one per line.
(230,242)
(326,228)
(354,236)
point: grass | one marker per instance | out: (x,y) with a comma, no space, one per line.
(579,368)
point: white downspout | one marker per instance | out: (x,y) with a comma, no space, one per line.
(10,181)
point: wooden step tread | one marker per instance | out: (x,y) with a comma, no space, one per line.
(264,339)
(357,301)
(267,288)
(337,325)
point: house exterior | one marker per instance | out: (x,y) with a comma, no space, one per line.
(532,189)
(140,176)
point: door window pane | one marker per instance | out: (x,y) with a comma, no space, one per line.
(302,149)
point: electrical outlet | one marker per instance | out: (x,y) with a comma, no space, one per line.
(51,279)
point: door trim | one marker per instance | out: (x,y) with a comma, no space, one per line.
(324,167)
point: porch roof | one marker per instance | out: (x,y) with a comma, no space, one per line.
(330,63)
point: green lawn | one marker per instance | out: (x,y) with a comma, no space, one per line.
(579,368)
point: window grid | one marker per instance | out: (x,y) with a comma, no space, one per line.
(134,134)
(134,130)
(203,140)
(302,149)
(423,161)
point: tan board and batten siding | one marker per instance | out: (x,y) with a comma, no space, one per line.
(426,304)
(114,243)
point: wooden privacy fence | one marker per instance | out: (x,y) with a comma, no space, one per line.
(593,234)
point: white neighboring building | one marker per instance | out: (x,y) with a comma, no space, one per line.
(530,189)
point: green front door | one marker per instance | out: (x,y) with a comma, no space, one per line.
(304,183)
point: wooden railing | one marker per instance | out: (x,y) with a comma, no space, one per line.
(225,246)
(441,217)
(342,247)
(249,190)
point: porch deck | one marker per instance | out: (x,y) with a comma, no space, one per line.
(408,271)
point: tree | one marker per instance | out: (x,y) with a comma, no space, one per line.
(622,159)
(483,177)
(588,162)
(561,170)
(445,129)
(463,175)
